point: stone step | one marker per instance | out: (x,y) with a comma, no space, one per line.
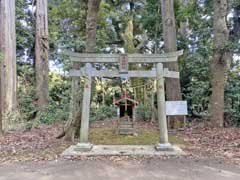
(126,123)
(122,126)
(126,131)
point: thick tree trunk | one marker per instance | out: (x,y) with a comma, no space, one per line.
(71,127)
(73,124)
(8,81)
(41,53)
(219,62)
(130,48)
(128,37)
(173,89)
(91,25)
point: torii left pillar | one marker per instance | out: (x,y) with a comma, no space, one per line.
(84,144)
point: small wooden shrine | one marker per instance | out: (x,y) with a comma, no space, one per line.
(127,115)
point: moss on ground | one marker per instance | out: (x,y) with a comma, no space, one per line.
(106,136)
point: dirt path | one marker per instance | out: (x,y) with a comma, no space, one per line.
(154,169)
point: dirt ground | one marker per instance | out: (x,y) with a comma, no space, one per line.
(212,153)
(40,144)
(121,169)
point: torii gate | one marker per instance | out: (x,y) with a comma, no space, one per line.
(124,59)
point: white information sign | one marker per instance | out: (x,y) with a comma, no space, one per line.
(174,108)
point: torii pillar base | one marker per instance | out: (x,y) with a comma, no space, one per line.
(164,147)
(83,147)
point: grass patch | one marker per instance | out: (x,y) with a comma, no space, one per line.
(106,136)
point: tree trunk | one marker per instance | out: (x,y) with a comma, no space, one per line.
(1,128)
(173,89)
(91,25)
(41,53)
(234,33)
(8,81)
(128,36)
(219,62)
(72,127)
(236,23)
(129,47)
(184,25)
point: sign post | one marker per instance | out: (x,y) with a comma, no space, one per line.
(176,108)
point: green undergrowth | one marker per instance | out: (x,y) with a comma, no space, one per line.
(106,136)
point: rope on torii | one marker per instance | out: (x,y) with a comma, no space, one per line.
(133,88)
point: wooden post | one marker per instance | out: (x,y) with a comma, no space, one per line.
(1,108)
(145,95)
(152,107)
(86,107)
(135,93)
(161,109)
(168,122)
(134,113)
(184,122)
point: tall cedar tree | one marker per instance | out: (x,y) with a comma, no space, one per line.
(41,53)
(219,62)
(8,80)
(173,88)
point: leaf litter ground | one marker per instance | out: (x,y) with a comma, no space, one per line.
(40,144)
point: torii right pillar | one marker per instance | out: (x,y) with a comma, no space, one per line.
(164,145)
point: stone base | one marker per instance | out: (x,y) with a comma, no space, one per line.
(83,147)
(164,147)
(122,150)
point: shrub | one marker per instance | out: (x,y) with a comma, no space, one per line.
(143,112)
(52,113)
(103,112)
